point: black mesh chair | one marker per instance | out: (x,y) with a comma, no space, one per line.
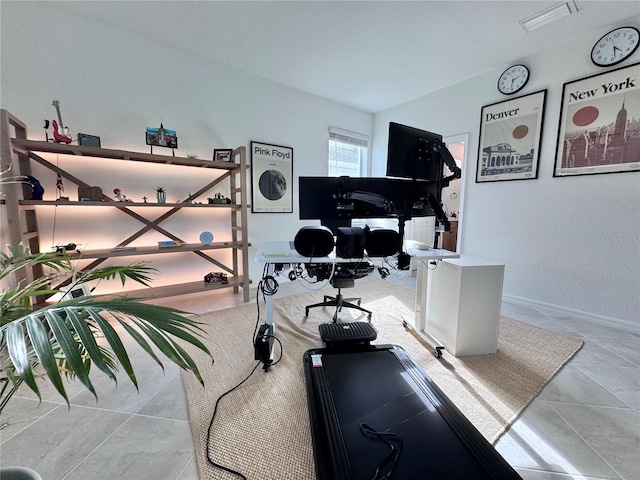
(344,277)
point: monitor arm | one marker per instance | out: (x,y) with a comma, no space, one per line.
(441,216)
(449,161)
(366,197)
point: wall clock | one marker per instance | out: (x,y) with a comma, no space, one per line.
(615,46)
(513,79)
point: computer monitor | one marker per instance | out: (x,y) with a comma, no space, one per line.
(410,197)
(336,200)
(414,153)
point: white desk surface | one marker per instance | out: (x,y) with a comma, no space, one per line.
(281,252)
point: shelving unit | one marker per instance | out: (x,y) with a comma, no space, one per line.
(21,223)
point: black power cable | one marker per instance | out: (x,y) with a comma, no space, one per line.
(268,286)
(215,410)
(368,430)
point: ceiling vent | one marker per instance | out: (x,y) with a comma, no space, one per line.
(548,15)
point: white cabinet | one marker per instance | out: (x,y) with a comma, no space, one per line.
(463,305)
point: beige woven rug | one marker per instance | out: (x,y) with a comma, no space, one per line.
(262,428)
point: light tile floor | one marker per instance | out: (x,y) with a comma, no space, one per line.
(584,425)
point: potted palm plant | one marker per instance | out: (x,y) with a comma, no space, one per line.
(71,336)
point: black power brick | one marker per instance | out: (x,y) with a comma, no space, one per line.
(263,344)
(404,261)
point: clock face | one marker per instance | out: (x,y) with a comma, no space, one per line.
(513,79)
(615,46)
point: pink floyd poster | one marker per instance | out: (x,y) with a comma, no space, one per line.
(510,133)
(600,124)
(271,178)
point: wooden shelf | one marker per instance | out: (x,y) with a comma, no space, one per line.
(152,250)
(179,289)
(25,146)
(123,205)
(18,153)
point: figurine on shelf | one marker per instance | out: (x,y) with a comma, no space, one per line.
(120,196)
(60,187)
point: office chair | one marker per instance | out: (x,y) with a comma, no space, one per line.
(343,277)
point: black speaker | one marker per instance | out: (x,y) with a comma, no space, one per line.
(350,242)
(382,242)
(314,242)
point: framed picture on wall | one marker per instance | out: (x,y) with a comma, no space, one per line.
(271,178)
(510,134)
(599,128)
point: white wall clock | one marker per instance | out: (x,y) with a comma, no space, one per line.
(513,79)
(615,46)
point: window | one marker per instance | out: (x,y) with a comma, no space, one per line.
(348,153)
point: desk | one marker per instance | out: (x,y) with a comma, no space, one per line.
(419,322)
(279,252)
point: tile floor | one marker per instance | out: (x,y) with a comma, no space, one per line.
(584,425)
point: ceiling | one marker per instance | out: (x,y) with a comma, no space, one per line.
(370,55)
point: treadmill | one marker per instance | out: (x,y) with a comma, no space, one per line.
(375,414)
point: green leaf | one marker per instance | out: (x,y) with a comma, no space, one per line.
(42,345)
(163,345)
(70,348)
(89,343)
(114,342)
(18,352)
(141,341)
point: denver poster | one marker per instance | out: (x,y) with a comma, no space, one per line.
(510,134)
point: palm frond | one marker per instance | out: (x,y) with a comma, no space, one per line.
(63,338)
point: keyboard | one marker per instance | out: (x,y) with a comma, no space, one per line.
(275,254)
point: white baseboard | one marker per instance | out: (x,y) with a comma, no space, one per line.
(620,324)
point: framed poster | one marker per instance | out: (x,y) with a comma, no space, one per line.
(599,131)
(271,178)
(510,133)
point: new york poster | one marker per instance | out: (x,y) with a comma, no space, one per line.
(600,124)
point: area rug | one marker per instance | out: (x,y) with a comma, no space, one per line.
(262,430)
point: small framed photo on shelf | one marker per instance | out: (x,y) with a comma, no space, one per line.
(222,154)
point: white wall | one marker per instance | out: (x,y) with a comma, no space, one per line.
(569,242)
(114,84)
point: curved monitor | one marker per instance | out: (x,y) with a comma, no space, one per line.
(414,153)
